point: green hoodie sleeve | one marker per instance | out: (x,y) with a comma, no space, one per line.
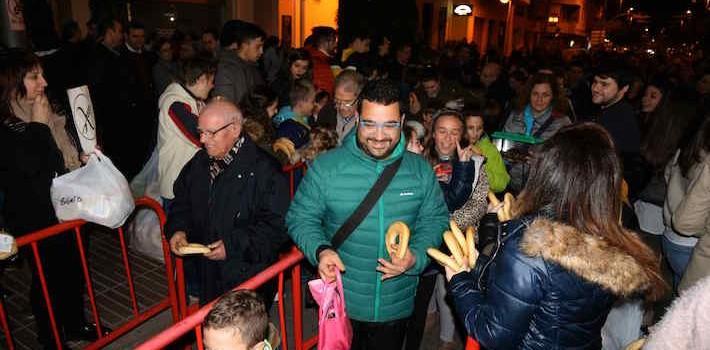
(305,215)
(498,177)
(432,220)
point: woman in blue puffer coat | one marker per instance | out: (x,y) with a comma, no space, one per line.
(565,259)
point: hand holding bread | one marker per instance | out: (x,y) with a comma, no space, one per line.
(504,212)
(397,239)
(463,249)
(194,248)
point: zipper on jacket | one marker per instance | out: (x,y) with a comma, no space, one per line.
(380,245)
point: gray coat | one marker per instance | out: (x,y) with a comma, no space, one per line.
(235,77)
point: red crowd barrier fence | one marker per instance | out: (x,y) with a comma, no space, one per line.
(193,321)
(169,302)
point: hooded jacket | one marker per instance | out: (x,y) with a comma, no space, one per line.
(235,77)
(329,193)
(551,287)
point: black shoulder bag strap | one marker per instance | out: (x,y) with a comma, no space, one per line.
(366,205)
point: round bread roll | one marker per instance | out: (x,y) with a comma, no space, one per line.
(398,230)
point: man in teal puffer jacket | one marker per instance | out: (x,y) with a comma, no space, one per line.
(379,289)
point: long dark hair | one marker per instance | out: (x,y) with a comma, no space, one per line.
(15,64)
(293,56)
(577,176)
(254,106)
(691,154)
(664,130)
(430,152)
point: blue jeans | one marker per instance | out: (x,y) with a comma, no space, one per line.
(678,257)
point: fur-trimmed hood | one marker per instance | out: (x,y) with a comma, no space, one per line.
(587,256)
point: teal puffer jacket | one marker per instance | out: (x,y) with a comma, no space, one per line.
(332,189)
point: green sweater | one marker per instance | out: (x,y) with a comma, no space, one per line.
(331,190)
(498,177)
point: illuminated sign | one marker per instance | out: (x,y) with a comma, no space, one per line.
(463,10)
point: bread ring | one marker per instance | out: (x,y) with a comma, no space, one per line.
(285,146)
(443,259)
(454,248)
(471,245)
(398,231)
(194,248)
(460,238)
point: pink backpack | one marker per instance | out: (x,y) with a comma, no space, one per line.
(334,329)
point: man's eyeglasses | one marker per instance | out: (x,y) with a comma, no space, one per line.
(371,126)
(212,134)
(346,104)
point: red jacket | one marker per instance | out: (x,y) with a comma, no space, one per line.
(323,77)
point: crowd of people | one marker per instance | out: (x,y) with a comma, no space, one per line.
(607,153)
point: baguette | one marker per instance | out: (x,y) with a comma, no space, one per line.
(194,248)
(493,199)
(443,259)
(397,229)
(508,205)
(454,248)
(502,217)
(471,245)
(459,236)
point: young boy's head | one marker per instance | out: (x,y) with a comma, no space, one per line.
(303,96)
(238,321)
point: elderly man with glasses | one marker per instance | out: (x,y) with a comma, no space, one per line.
(342,114)
(379,289)
(231,197)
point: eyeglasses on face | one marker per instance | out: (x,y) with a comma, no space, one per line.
(346,104)
(211,134)
(371,125)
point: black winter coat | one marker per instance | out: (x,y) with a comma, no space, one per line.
(551,287)
(29,161)
(244,207)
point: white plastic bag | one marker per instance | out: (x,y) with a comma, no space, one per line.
(96,192)
(144,228)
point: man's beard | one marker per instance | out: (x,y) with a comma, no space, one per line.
(389,152)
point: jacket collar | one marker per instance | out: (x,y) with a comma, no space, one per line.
(589,257)
(244,160)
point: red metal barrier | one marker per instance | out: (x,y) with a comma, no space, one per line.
(290,260)
(169,302)
(291,170)
(193,321)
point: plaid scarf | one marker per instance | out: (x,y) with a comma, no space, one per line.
(217,166)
